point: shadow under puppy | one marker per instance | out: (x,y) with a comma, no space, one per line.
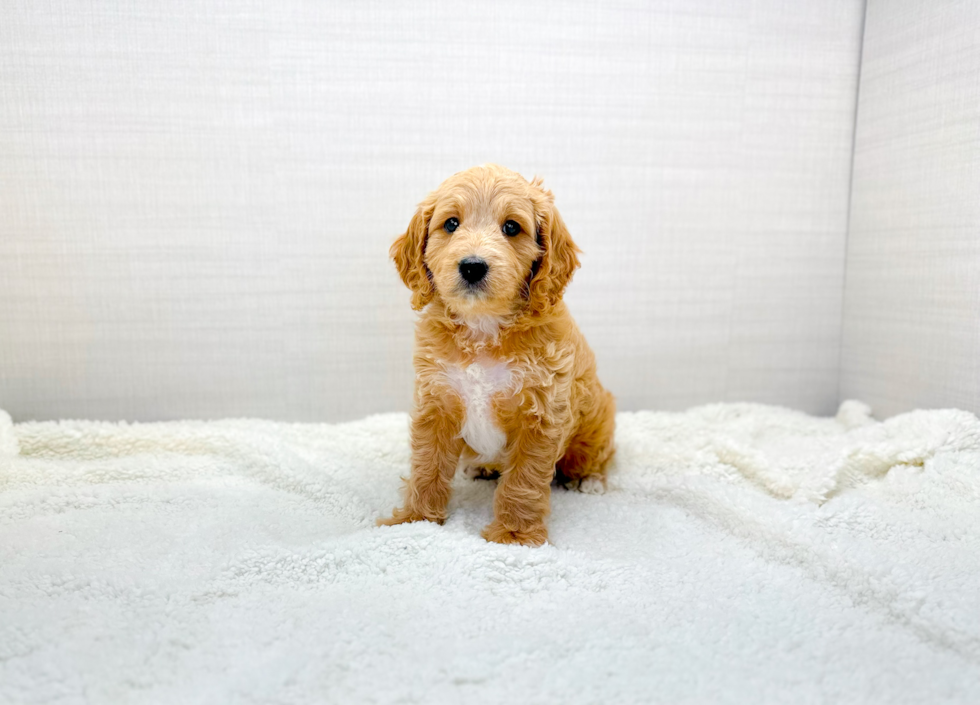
(505,381)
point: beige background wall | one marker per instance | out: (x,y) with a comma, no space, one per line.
(912,306)
(196,199)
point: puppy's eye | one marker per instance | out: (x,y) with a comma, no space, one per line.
(511,228)
(451,225)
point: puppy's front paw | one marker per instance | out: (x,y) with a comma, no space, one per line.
(405,516)
(592,484)
(498,533)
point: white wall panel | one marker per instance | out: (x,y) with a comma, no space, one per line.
(912,309)
(196,199)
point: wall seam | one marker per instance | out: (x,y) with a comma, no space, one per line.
(850,202)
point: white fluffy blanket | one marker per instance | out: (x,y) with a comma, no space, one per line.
(743,553)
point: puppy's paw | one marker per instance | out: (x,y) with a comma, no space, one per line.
(498,533)
(592,484)
(475,472)
(405,516)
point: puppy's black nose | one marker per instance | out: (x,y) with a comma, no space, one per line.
(473,269)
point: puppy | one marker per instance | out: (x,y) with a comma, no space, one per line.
(505,382)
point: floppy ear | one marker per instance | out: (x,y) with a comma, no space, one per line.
(408,252)
(559,259)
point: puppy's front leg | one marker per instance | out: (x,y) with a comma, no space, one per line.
(436,445)
(523,497)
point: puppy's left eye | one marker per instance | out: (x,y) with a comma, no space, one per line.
(511,228)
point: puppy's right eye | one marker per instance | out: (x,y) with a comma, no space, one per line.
(451,225)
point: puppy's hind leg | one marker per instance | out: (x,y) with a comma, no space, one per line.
(473,469)
(584,464)
(480,472)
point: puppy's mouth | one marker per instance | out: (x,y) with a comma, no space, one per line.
(476,290)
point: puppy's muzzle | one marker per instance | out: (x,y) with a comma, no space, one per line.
(473,270)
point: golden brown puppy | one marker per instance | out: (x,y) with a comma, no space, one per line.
(505,382)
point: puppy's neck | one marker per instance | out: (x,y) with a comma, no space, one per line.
(479,327)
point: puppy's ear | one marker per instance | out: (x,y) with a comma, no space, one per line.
(408,252)
(559,259)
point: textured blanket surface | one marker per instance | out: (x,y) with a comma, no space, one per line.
(742,553)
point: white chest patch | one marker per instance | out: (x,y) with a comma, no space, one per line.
(476,385)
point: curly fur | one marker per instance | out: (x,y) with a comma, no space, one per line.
(552,413)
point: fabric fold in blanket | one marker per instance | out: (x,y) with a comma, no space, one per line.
(742,553)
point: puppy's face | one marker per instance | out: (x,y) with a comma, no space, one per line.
(482,242)
(486,241)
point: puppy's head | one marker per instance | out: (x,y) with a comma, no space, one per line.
(489,243)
